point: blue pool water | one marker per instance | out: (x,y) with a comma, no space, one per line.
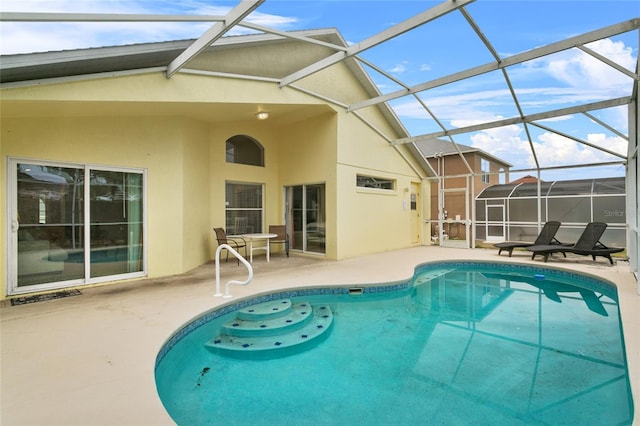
(460,343)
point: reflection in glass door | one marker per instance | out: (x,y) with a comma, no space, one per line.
(305,217)
(49,224)
(116,222)
(56,217)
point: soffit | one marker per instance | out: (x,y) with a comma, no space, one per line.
(279,114)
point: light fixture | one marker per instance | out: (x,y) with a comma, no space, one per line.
(262,115)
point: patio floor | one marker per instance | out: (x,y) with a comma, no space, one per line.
(89,359)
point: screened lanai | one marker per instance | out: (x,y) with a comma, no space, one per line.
(558,104)
(515,211)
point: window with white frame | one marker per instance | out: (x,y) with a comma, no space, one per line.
(364,181)
(485,168)
(243,208)
(74,224)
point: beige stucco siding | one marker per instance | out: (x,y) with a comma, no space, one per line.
(371,220)
(138,142)
(176,130)
(307,153)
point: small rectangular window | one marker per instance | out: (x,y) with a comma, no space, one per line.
(363,181)
(485,167)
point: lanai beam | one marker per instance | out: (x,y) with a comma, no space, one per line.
(234,16)
(608,62)
(396,30)
(606,126)
(290,35)
(505,75)
(518,120)
(565,135)
(539,52)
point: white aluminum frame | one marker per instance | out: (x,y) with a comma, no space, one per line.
(12,228)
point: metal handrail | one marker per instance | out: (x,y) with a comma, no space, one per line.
(234,282)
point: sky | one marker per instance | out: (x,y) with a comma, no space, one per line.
(436,49)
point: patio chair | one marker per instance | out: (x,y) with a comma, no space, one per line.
(587,245)
(234,241)
(547,236)
(282,237)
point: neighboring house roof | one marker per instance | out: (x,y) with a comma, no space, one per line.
(526,179)
(435,147)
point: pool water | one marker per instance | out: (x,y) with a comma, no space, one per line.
(460,343)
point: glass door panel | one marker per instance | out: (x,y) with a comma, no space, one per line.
(116,223)
(295,194)
(50,243)
(315,218)
(305,217)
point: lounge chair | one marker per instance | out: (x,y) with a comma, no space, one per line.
(587,245)
(546,237)
(282,237)
(235,241)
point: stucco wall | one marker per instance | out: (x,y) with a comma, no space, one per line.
(138,142)
(176,130)
(370,221)
(307,153)
(196,193)
(220,172)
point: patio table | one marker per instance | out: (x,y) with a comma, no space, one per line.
(257,237)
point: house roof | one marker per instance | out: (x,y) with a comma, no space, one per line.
(439,147)
(67,63)
(525,179)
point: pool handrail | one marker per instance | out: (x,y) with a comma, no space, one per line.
(231,250)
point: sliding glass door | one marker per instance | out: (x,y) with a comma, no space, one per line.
(73,225)
(305,217)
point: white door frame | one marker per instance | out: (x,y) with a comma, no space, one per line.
(493,224)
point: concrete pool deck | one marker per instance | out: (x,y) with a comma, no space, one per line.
(89,359)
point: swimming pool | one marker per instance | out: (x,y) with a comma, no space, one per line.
(459,343)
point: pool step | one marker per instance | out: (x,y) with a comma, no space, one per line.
(260,324)
(272,325)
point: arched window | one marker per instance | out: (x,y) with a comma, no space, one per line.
(243,149)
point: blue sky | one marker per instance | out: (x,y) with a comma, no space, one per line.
(439,48)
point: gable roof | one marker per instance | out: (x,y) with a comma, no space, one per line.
(439,147)
(65,63)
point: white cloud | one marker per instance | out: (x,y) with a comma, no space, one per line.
(577,69)
(504,142)
(510,144)
(585,70)
(612,143)
(400,68)
(553,149)
(18,37)
(425,67)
